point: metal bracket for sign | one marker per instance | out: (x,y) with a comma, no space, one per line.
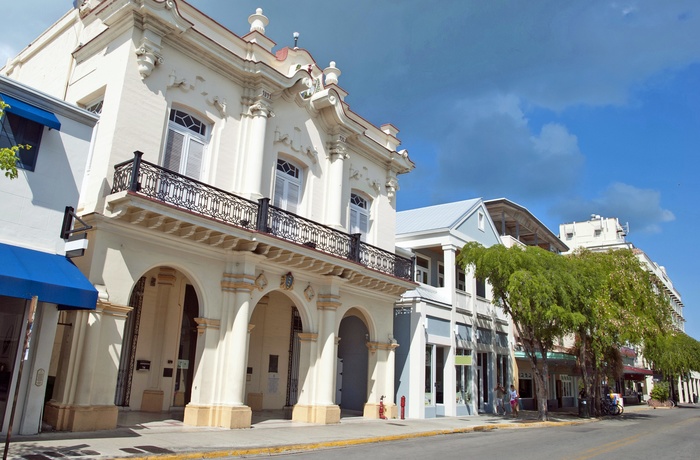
(68,217)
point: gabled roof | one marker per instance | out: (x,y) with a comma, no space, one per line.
(441,216)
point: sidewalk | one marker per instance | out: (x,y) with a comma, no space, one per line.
(167,438)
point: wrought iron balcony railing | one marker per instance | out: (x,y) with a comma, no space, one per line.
(163,185)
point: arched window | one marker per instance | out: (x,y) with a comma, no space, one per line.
(287,186)
(359,215)
(184,147)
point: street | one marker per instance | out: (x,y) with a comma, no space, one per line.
(667,434)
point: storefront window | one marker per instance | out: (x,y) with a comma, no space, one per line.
(525,385)
(429,375)
(463,374)
(567,386)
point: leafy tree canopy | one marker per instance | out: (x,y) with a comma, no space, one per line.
(8,155)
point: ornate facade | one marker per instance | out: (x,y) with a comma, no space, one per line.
(243,224)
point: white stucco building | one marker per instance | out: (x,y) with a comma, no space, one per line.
(605,234)
(517,226)
(454,344)
(242,221)
(37,281)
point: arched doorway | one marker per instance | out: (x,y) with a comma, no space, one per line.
(160,327)
(351,382)
(273,354)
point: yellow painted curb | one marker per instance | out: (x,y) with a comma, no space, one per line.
(349,442)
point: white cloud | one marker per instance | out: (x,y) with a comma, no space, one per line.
(490,149)
(641,208)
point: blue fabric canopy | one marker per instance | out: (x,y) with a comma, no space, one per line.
(30,112)
(25,273)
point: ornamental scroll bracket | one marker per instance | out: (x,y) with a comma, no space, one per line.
(148,57)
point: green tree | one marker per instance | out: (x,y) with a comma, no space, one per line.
(8,155)
(674,355)
(623,304)
(534,287)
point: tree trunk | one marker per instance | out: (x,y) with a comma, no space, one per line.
(542,385)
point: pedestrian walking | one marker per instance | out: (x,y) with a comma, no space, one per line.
(514,400)
(500,403)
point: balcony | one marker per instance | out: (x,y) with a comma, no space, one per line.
(143,179)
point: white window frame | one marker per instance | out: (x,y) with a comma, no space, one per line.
(480,220)
(422,272)
(460,279)
(288,180)
(441,274)
(359,215)
(193,131)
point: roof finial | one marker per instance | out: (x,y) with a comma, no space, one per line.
(332,73)
(258,21)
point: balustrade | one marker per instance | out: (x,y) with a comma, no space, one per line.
(157,183)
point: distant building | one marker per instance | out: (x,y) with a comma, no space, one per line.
(605,234)
(36,279)
(243,224)
(455,345)
(517,226)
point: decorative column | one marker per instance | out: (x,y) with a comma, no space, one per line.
(83,399)
(308,350)
(334,185)
(224,405)
(321,407)
(380,379)
(204,382)
(258,112)
(152,400)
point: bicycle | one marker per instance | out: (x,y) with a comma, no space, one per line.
(610,407)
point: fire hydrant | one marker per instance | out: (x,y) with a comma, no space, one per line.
(381,408)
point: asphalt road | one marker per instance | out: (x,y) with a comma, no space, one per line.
(650,434)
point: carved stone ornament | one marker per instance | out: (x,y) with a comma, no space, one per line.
(292,141)
(287,281)
(392,185)
(309,293)
(259,108)
(261,281)
(148,57)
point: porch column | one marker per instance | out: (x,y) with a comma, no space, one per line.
(224,405)
(152,400)
(449,252)
(334,186)
(204,381)
(380,376)
(83,399)
(258,112)
(308,348)
(322,408)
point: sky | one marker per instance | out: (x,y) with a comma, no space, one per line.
(566,108)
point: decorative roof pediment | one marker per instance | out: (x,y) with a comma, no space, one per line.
(161,15)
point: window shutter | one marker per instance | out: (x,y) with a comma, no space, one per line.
(292,197)
(173,151)
(364,223)
(193,168)
(279,192)
(354,221)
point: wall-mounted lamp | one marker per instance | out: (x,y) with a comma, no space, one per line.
(296,39)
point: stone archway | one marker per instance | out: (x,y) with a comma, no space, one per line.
(273,354)
(159,346)
(353,362)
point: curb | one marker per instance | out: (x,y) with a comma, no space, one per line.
(351,442)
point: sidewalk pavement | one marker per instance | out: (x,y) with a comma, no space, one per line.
(163,436)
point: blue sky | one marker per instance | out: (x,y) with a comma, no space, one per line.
(567,108)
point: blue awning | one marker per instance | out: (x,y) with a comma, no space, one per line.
(26,273)
(30,112)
